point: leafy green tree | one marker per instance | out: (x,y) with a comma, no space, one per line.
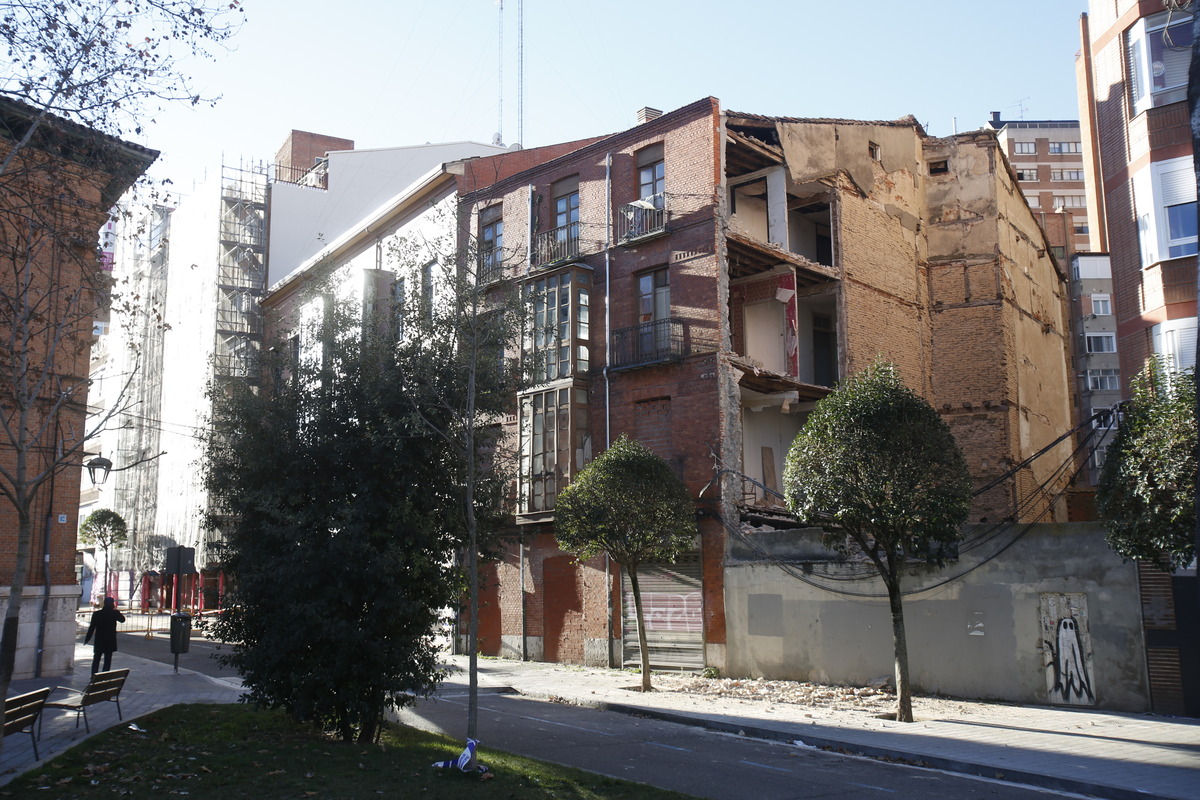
(878,470)
(1146,495)
(332,498)
(630,504)
(106,528)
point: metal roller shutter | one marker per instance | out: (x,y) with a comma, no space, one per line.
(673,602)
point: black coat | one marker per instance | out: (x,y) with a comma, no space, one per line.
(104,626)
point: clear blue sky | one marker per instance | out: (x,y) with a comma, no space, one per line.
(400,72)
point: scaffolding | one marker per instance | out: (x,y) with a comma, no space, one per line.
(241,272)
(139,425)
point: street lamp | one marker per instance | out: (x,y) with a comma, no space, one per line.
(98,469)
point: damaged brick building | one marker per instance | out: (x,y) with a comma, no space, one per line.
(699,282)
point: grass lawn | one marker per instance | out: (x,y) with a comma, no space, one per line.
(234,751)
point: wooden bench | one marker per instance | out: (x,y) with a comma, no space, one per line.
(22,711)
(104,686)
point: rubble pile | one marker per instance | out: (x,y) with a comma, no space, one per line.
(795,692)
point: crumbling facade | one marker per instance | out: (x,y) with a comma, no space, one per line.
(698,282)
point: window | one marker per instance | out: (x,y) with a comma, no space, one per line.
(874,151)
(1101,305)
(1034,200)
(1056,148)
(1059,251)
(554,444)
(566,205)
(654,308)
(1103,380)
(1104,418)
(1027,173)
(1069,201)
(564,241)
(1081,229)
(1164,195)
(1066,174)
(561,326)
(1024,148)
(1158,59)
(1181,230)
(1101,342)
(1098,454)
(491,242)
(939,167)
(652,175)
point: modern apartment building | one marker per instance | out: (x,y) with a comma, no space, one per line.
(1133,76)
(1047,156)
(1133,85)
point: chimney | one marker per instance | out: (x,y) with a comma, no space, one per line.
(646,113)
(995,117)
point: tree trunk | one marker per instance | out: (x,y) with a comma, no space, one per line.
(641,625)
(903,689)
(472,646)
(12,614)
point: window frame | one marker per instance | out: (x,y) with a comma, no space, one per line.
(1103,380)
(1140,43)
(1024,148)
(1064,148)
(1100,336)
(491,241)
(558,338)
(652,307)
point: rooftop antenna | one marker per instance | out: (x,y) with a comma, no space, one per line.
(521,72)
(498,139)
(1020,106)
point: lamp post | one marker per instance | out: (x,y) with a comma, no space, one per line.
(98,469)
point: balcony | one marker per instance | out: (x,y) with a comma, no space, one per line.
(648,343)
(642,218)
(555,245)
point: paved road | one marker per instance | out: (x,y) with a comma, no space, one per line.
(198,658)
(688,759)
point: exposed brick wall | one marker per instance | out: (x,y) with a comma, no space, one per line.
(51,212)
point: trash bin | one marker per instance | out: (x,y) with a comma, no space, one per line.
(181,632)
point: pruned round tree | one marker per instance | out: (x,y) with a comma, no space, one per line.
(1146,495)
(630,504)
(106,528)
(879,471)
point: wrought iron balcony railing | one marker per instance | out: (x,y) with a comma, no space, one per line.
(644,217)
(648,343)
(556,244)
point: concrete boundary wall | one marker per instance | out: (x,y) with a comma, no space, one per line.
(1053,618)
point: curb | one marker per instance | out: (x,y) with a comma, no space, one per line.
(1034,779)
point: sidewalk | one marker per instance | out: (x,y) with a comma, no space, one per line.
(1104,754)
(1096,753)
(150,686)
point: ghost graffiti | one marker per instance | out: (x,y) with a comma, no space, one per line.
(1068,662)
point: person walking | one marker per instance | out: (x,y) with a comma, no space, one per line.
(104,627)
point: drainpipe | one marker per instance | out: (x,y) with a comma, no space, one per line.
(529,238)
(524,648)
(608,360)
